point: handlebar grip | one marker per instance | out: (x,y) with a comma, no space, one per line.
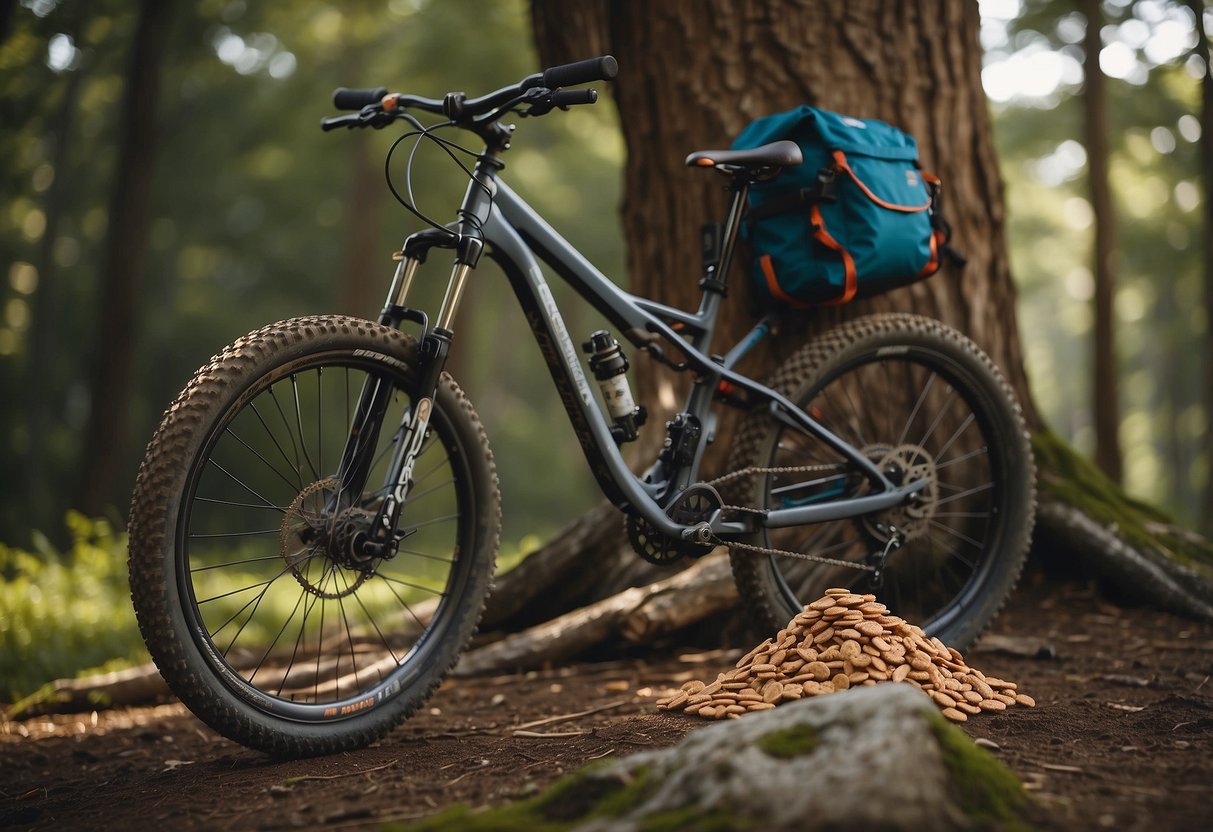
(356,99)
(567,98)
(327,124)
(594,69)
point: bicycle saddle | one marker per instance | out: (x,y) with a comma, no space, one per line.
(780,154)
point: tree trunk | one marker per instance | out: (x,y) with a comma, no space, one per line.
(122,272)
(1105,399)
(363,262)
(1206,175)
(46,313)
(692,74)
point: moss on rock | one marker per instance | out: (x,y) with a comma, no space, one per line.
(1070,478)
(794,741)
(984,789)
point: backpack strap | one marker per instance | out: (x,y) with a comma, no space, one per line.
(840,159)
(822,191)
(822,236)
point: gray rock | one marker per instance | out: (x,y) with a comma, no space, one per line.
(869,758)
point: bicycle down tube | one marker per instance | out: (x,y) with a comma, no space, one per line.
(516,234)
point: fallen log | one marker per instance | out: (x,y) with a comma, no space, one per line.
(636,614)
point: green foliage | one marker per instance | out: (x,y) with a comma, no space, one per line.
(63,613)
(1161,331)
(254,210)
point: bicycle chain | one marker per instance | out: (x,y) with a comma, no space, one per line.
(793,469)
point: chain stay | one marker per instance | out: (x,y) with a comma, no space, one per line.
(795,469)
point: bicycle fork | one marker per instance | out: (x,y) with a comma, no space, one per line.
(357,458)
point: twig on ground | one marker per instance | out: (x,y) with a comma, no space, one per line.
(565,717)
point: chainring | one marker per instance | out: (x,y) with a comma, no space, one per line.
(695,505)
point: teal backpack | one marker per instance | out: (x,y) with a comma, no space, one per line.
(857,218)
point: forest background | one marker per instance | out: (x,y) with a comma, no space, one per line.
(255,215)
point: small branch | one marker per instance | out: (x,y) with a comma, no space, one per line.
(290,781)
(554,735)
(566,717)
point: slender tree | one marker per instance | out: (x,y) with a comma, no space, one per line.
(1105,401)
(113,357)
(1202,51)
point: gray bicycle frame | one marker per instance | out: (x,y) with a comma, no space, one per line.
(515,235)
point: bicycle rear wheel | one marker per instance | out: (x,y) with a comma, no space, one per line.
(260,613)
(923,403)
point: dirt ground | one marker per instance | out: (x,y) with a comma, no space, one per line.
(1121,738)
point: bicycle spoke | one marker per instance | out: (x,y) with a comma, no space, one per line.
(938,418)
(444,519)
(415,553)
(278,635)
(349,636)
(390,579)
(287,425)
(194,569)
(922,397)
(956,533)
(299,425)
(228,430)
(214,535)
(246,487)
(375,624)
(952,551)
(320,417)
(235,504)
(403,603)
(983,450)
(954,497)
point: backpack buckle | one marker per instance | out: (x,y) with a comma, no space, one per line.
(825,184)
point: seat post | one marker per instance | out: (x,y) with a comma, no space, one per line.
(714,283)
(740,186)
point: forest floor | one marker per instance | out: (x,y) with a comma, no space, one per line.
(1121,738)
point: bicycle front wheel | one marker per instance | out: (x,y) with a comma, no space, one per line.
(253,600)
(922,402)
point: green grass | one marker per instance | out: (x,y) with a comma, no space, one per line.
(68,614)
(62,613)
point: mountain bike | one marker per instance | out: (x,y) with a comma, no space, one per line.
(314,527)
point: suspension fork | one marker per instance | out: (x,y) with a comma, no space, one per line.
(358,456)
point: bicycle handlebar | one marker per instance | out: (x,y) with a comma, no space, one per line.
(582,72)
(457,107)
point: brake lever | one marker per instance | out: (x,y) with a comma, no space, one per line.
(560,99)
